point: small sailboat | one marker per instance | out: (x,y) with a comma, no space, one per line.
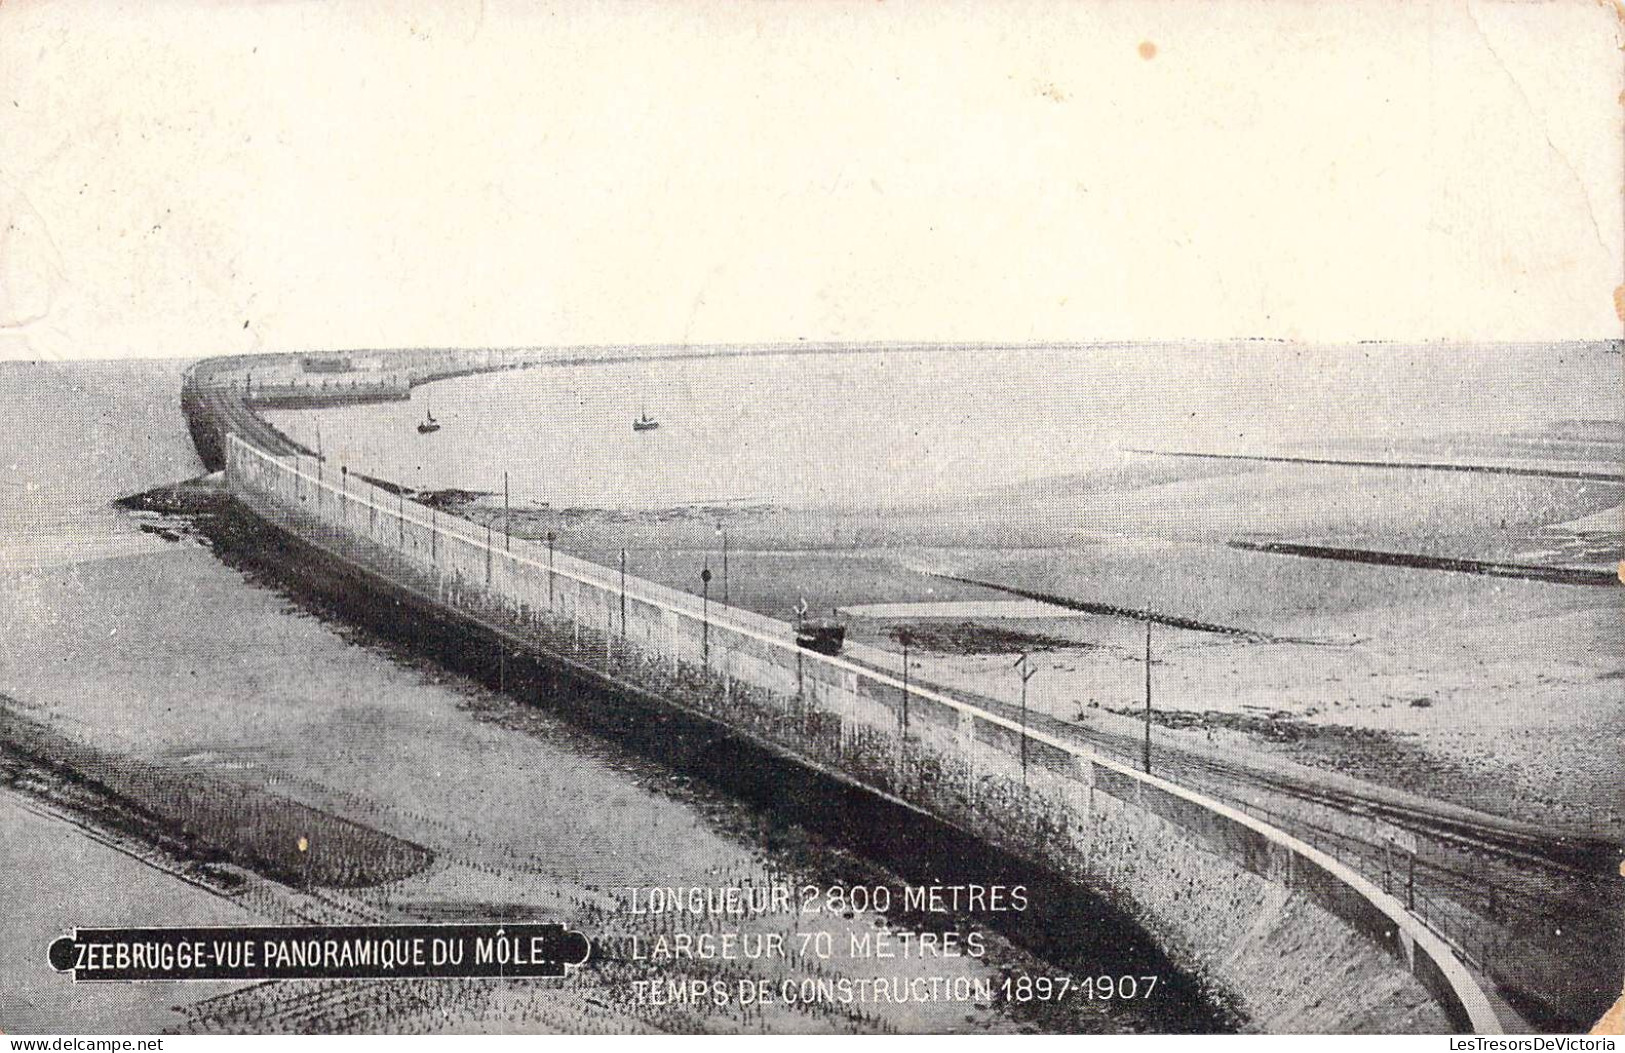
(644,422)
(428,423)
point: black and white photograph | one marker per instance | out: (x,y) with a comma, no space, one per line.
(1082,518)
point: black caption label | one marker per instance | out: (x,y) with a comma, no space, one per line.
(320,952)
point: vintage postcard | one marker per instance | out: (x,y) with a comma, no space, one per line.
(824,518)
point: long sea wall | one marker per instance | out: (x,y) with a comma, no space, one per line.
(1297,940)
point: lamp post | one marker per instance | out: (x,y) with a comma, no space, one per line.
(705,616)
(904,637)
(723,534)
(319,459)
(551,537)
(1147,755)
(1027,672)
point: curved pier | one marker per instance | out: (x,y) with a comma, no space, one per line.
(1298,939)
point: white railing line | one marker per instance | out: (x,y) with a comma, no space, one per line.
(1474,1002)
(612,584)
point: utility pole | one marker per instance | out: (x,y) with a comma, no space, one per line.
(507,534)
(318,466)
(904,638)
(723,533)
(1027,672)
(551,537)
(623,590)
(1147,757)
(705,616)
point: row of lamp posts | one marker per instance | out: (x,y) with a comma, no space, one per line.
(1024,665)
(1026,668)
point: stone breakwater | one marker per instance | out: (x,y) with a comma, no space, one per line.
(1297,940)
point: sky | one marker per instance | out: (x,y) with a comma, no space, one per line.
(180,179)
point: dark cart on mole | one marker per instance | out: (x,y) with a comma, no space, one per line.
(824,635)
